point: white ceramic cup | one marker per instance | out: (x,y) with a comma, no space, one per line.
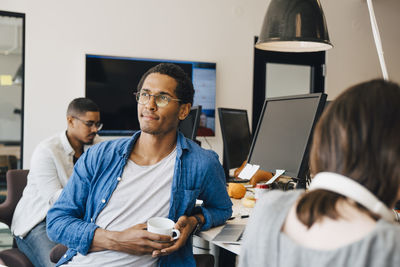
(162,226)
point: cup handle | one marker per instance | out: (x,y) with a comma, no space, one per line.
(177,233)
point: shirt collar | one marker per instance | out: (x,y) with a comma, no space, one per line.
(65,143)
(181,144)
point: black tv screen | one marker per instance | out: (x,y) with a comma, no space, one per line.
(111,82)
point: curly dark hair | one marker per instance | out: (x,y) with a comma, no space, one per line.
(184,89)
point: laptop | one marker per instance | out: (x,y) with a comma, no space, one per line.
(230,234)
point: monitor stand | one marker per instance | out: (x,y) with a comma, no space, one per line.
(301,184)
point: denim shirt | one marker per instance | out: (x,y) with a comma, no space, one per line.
(197,175)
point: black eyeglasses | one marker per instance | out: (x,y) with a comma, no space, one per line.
(98,125)
(161,100)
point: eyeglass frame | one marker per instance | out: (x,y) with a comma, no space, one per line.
(98,125)
(169,98)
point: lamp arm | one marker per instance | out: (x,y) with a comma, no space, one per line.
(377,38)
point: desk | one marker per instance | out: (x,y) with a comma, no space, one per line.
(238,209)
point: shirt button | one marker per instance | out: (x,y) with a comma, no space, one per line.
(103,201)
(65,255)
(91,219)
(119,178)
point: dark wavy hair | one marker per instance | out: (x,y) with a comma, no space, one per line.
(184,89)
(358,137)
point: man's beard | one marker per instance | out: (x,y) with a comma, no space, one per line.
(91,140)
(149,131)
(89,143)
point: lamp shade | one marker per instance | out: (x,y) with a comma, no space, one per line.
(294,26)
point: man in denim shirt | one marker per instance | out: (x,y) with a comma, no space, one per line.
(118,185)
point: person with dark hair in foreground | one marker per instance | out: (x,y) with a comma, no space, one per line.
(119,185)
(52,163)
(346,216)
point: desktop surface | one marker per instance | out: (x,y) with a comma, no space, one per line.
(238,211)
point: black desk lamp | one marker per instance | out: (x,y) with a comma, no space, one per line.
(294,26)
(300,26)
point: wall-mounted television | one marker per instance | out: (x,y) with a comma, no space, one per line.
(111,82)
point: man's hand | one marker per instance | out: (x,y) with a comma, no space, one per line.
(134,240)
(186,226)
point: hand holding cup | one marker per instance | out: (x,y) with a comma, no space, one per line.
(163,226)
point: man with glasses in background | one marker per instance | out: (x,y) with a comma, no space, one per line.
(120,184)
(51,166)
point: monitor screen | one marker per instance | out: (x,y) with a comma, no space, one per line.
(111,82)
(190,124)
(284,132)
(235,135)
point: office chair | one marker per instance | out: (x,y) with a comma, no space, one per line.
(204,260)
(7,162)
(16,182)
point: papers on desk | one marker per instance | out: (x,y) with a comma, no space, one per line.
(248,171)
(277,174)
(230,234)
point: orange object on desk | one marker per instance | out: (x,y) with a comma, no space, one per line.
(236,190)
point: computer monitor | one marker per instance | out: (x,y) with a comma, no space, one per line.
(190,124)
(284,134)
(236,137)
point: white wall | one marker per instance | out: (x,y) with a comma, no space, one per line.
(354,57)
(59,33)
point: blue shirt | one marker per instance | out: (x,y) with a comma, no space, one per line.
(197,175)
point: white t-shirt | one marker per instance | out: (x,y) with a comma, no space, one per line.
(143,192)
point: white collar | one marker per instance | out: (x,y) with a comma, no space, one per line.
(69,150)
(349,188)
(66,144)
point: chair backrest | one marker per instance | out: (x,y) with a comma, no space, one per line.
(16,182)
